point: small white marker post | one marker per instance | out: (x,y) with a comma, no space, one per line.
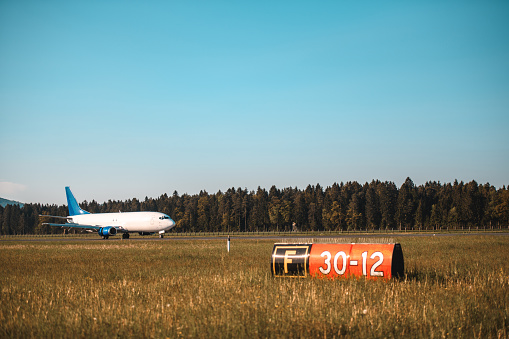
(228,244)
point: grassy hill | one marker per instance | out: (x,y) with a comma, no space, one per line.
(5,202)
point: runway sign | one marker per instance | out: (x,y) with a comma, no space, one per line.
(373,261)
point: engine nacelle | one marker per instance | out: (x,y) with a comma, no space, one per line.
(107,231)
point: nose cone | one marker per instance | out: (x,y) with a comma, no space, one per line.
(169,223)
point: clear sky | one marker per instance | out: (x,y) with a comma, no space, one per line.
(124,99)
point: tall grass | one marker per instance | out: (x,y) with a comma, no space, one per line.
(454,287)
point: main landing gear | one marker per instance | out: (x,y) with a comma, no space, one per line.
(161,235)
(125,236)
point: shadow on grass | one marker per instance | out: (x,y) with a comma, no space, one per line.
(429,276)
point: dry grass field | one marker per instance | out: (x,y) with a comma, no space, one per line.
(455,286)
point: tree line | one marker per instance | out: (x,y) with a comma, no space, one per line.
(346,206)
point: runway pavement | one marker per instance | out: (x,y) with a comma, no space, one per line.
(281,237)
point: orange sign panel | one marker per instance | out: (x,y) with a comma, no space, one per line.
(373,261)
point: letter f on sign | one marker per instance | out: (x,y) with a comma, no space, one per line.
(288,260)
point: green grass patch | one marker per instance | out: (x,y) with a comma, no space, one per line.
(455,286)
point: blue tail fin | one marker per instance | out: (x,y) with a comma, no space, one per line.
(74,208)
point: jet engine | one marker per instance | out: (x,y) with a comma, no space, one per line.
(107,231)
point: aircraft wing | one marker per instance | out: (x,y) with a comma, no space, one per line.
(88,227)
(73,225)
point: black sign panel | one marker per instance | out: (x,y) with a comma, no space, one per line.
(290,260)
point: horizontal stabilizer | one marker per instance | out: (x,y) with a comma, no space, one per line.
(53,216)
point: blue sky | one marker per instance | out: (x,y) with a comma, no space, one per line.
(133,99)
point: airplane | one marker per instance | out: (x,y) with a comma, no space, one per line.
(109,224)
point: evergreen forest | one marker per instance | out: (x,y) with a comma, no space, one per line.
(341,207)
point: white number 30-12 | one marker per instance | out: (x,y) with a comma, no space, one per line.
(373,272)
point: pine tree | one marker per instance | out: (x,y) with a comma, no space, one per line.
(406,204)
(388,194)
(6,223)
(373,214)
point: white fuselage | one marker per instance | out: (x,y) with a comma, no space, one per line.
(128,221)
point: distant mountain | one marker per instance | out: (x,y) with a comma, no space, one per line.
(5,202)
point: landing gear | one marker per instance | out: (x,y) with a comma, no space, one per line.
(161,235)
(105,237)
(125,236)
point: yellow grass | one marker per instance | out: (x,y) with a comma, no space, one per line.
(455,286)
